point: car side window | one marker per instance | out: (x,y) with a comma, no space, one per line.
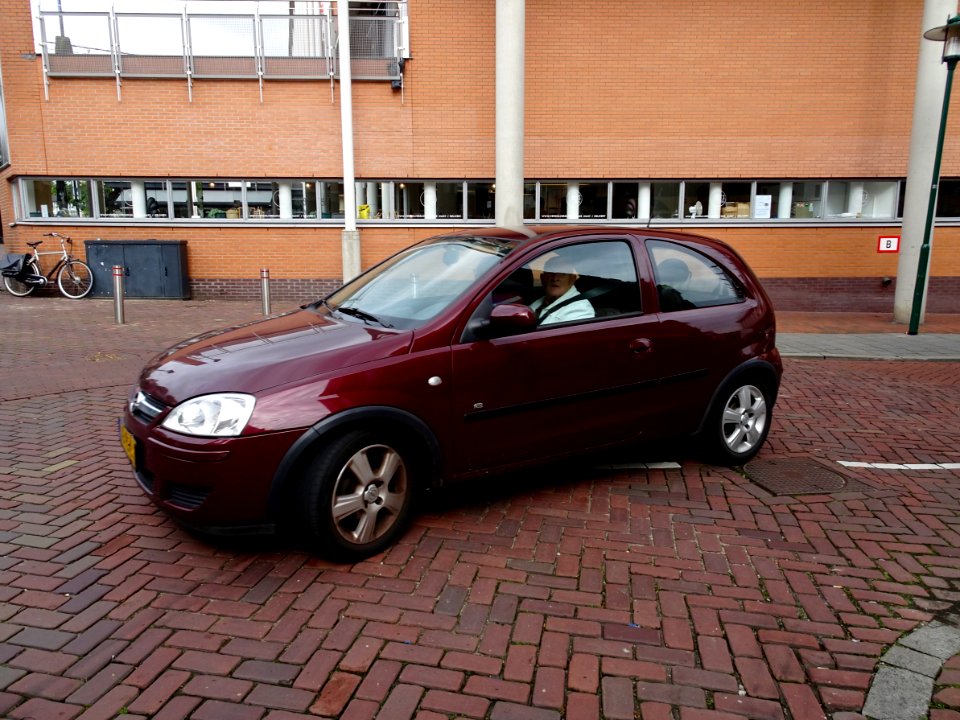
(575,283)
(686,279)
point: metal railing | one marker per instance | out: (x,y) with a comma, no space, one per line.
(194,45)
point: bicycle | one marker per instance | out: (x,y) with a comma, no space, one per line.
(74,277)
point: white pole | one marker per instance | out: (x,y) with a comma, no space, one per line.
(855,199)
(430,201)
(511,19)
(785,201)
(716,197)
(138,191)
(927,107)
(573,201)
(350,240)
(285,193)
(643,202)
(372,199)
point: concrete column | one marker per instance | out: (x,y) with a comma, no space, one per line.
(430,200)
(927,105)
(350,238)
(138,192)
(785,201)
(643,202)
(573,201)
(855,199)
(373,200)
(286,200)
(716,197)
(386,200)
(511,20)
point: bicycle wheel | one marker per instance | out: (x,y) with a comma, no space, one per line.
(75,279)
(21,289)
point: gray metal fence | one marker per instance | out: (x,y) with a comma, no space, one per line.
(189,45)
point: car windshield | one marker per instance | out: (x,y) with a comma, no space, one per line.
(418,284)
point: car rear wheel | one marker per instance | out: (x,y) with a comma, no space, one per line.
(357,495)
(738,422)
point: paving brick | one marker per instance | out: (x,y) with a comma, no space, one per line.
(451,703)
(617,698)
(45,686)
(275,696)
(217,688)
(36,708)
(402,703)
(218,710)
(336,694)
(154,696)
(430,677)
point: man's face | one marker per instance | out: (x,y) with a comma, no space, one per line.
(556,284)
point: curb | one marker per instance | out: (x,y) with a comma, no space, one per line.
(903,684)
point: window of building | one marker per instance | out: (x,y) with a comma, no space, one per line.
(665,199)
(696,199)
(450,200)
(114,198)
(57,198)
(416,200)
(807,199)
(626,197)
(553,200)
(481,200)
(735,200)
(157,193)
(530,201)
(948,198)
(593,200)
(767,200)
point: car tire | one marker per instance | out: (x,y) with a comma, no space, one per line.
(738,422)
(357,495)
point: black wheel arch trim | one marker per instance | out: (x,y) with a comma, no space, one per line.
(751,366)
(358,417)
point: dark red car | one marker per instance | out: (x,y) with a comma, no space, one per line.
(463,355)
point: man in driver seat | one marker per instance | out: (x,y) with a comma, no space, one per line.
(560,302)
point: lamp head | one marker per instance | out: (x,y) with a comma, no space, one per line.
(949,35)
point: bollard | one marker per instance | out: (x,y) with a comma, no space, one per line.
(265,289)
(118,294)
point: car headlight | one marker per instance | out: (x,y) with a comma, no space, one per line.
(219,415)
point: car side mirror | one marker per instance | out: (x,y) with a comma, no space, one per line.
(511,318)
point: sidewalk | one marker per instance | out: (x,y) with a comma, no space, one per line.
(866,336)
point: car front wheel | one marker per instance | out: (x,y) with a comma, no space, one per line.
(738,423)
(357,495)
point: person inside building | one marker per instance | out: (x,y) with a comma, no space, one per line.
(561,301)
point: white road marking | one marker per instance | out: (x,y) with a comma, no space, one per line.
(900,466)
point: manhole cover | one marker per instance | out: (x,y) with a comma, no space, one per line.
(798,476)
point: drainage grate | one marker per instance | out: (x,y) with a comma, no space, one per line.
(799,476)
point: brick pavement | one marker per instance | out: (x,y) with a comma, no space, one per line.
(687,593)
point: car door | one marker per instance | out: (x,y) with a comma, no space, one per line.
(569,384)
(704,331)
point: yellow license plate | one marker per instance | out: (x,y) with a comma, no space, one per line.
(129,443)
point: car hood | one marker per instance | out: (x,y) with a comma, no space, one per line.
(257,356)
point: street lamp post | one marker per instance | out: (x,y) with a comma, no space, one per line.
(949,35)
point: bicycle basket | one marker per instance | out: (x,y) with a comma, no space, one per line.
(13,264)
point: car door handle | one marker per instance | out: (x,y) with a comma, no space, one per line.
(640,345)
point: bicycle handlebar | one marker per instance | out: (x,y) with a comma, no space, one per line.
(58,235)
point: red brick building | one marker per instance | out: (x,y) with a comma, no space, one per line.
(790,127)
